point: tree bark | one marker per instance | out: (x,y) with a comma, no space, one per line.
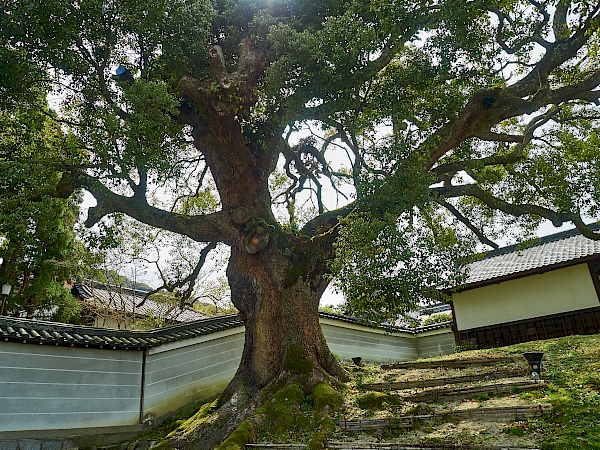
(280,312)
(276,279)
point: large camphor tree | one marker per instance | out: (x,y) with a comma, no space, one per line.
(410,113)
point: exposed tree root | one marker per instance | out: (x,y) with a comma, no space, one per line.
(298,404)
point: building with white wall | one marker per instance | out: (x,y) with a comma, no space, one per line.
(121,308)
(522,293)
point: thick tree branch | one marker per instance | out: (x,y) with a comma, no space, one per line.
(215,227)
(479,233)
(583,228)
(489,107)
(556,54)
(327,221)
(452,168)
(472,190)
(449,169)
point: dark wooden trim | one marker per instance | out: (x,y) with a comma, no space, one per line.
(454,326)
(594,267)
(584,321)
(143,384)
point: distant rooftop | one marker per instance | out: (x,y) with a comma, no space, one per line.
(548,251)
(125,300)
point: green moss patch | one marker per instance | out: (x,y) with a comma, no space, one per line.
(318,442)
(197,419)
(325,396)
(296,363)
(237,440)
(282,412)
(377,400)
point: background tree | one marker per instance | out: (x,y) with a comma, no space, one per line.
(484,110)
(37,242)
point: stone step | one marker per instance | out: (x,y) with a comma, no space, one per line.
(509,413)
(454,363)
(446,394)
(400,385)
(382,446)
(277,446)
(397,446)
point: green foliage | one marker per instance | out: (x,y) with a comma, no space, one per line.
(37,242)
(438,318)
(434,106)
(386,268)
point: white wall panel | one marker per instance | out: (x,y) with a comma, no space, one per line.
(190,370)
(48,387)
(349,340)
(435,343)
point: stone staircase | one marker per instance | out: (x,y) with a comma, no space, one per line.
(466,404)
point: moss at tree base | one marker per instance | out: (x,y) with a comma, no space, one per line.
(243,435)
(290,411)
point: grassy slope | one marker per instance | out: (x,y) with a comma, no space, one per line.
(573,364)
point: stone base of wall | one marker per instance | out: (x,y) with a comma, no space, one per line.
(67,439)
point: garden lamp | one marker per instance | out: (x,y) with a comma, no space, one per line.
(5,292)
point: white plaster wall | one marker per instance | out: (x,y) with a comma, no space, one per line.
(435,343)
(51,387)
(348,340)
(189,370)
(558,291)
(47,387)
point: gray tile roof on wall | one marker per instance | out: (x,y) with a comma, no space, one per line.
(51,333)
(393,329)
(553,250)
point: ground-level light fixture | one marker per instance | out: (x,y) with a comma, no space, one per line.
(5,292)
(535,363)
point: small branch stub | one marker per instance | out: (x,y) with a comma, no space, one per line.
(241,216)
(258,239)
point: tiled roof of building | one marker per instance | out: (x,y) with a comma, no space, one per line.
(545,252)
(125,301)
(51,333)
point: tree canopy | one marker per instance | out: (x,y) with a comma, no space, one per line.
(313,136)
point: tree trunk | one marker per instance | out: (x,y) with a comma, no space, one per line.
(276,282)
(280,312)
(283,341)
(276,279)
